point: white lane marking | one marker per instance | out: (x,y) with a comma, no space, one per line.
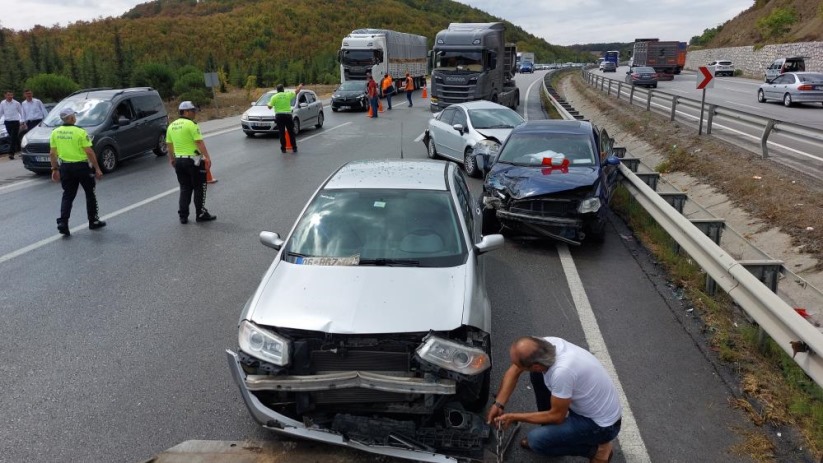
(56,237)
(324,131)
(12,185)
(526,103)
(631,442)
(744,105)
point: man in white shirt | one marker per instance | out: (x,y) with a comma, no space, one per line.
(578,405)
(33,111)
(12,112)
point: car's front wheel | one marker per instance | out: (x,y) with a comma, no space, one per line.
(161,149)
(296,126)
(319,121)
(761,97)
(107,159)
(333,109)
(431,151)
(469,165)
(787,100)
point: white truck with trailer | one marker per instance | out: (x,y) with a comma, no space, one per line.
(379,51)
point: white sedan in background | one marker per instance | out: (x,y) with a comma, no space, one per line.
(459,131)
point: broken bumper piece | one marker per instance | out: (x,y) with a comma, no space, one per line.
(347,379)
(288,426)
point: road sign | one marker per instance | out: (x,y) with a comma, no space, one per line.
(211,79)
(705,78)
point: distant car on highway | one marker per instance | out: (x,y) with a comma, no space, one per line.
(609,66)
(793,87)
(373,322)
(457,131)
(551,179)
(722,67)
(306,110)
(351,94)
(781,65)
(642,75)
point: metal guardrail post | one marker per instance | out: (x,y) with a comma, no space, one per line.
(631,163)
(764,140)
(768,272)
(650,178)
(676,200)
(631,95)
(609,92)
(649,101)
(710,119)
(619,87)
(675,98)
(713,228)
(602,81)
(619,151)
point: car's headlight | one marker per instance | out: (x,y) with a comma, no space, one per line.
(24,141)
(263,344)
(453,356)
(489,147)
(244,117)
(589,205)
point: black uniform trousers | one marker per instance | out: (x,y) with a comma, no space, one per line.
(192,179)
(13,128)
(285,124)
(72,176)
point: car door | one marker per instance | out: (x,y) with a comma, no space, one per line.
(454,140)
(777,87)
(440,127)
(301,109)
(472,219)
(146,131)
(609,174)
(314,107)
(127,136)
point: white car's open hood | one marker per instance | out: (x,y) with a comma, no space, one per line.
(360,299)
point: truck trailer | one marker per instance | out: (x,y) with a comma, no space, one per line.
(472,61)
(378,51)
(662,56)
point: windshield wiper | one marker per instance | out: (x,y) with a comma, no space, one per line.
(297,254)
(390,262)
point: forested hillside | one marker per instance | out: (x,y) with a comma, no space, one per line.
(768,22)
(273,40)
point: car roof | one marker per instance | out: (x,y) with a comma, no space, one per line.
(390,174)
(555,126)
(272,92)
(479,104)
(108,93)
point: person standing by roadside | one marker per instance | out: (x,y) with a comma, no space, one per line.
(12,112)
(371,91)
(281,102)
(189,157)
(409,87)
(33,111)
(387,84)
(73,164)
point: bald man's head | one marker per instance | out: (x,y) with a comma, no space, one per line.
(532,353)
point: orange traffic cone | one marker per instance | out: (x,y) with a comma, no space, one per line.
(370,114)
(209,178)
(379,105)
(425,93)
(289,146)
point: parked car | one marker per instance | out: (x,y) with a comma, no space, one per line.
(122,123)
(642,75)
(722,67)
(455,132)
(5,140)
(551,179)
(781,65)
(373,321)
(527,68)
(351,94)
(793,87)
(306,110)
(609,66)
(600,64)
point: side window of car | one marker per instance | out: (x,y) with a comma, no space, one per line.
(447,115)
(310,97)
(464,199)
(124,109)
(460,118)
(301,98)
(782,79)
(147,105)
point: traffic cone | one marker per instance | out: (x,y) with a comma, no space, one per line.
(289,146)
(209,178)
(425,93)
(370,114)
(379,105)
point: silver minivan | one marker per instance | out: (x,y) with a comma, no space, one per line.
(781,65)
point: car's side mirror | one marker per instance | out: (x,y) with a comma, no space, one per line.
(252,103)
(303,105)
(612,160)
(122,120)
(489,243)
(458,128)
(271,240)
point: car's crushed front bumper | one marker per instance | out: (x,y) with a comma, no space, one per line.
(406,448)
(556,218)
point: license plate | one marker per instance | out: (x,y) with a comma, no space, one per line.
(41,158)
(261,126)
(345,107)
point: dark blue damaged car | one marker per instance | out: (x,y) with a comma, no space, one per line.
(550,179)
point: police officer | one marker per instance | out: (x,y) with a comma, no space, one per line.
(281,102)
(190,158)
(77,167)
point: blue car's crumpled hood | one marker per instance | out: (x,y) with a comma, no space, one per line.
(523,182)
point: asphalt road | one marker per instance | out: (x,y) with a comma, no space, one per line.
(113,341)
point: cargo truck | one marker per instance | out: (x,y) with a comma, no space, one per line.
(662,56)
(379,51)
(681,56)
(526,62)
(472,61)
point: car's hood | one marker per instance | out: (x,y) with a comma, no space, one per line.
(497,134)
(39,134)
(522,182)
(352,299)
(348,93)
(258,111)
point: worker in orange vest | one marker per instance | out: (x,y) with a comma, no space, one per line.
(409,87)
(387,85)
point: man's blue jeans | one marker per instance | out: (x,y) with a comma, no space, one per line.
(373,102)
(576,436)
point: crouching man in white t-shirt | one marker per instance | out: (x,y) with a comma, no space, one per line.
(577,402)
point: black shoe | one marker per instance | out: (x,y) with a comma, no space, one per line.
(283,150)
(96,224)
(63,228)
(294,150)
(205,217)
(184,220)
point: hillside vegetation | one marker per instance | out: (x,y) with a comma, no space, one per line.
(273,40)
(768,22)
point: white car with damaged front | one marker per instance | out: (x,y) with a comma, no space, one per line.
(371,328)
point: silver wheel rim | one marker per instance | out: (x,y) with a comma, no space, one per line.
(161,143)
(468,162)
(787,100)
(320,120)
(297,126)
(432,152)
(109,159)
(760,96)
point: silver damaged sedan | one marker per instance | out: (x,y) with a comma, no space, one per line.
(371,328)
(463,130)
(793,87)
(306,110)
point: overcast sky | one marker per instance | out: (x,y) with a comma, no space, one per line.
(560,22)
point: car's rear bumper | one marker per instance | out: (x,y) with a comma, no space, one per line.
(810,97)
(288,426)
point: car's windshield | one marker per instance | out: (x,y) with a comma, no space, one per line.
(352,86)
(264,100)
(494,118)
(358,57)
(89,113)
(379,227)
(459,61)
(537,149)
(644,70)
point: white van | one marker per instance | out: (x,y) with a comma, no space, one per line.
(781,65)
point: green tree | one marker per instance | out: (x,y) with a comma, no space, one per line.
(777,23)
(156,75)
(51,87)
(192,87)
(121,62)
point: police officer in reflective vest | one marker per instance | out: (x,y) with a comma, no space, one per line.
(74,164)
(189,157)
(281,102)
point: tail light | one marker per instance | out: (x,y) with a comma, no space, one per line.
(654,75)
(806,87)
(635,76)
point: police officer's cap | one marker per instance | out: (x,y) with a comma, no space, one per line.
(187,106)
(67,112)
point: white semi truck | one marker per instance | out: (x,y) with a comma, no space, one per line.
(379,51)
